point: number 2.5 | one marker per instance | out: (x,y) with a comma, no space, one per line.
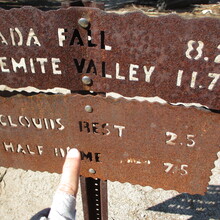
(173,137)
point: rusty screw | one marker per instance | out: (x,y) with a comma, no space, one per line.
(92,171)
(83,22)
(88,108)
(86,80)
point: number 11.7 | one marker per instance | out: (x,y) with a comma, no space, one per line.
(215,76)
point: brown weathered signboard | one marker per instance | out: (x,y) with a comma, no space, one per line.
(174,58)
(127,141)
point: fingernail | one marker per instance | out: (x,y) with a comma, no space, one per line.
(73,153)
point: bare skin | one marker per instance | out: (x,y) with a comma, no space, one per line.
(70,176)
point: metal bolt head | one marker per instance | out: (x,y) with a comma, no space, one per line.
(86,80)
(88,108)
(92,171)
(83,22)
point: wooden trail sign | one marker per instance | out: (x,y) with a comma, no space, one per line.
(171,57)
(128,141)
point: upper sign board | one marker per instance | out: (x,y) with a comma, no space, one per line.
(171,57)
(127,141)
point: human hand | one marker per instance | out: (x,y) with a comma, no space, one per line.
(70,175)
(63,206)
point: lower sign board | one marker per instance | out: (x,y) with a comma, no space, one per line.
(171,147)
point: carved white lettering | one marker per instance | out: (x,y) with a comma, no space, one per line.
(24,149)
(60,152)
(217,59)
(28,124)
(42,62)
(56,152)
(8,147)
(40,150)
(55,66)
(10,122)
(26,64)
(173,138)
(183,170)
(108,76)
(33,36)
(136,161)
(29,150)
(133,72)
(59,123)
(17,38)
(193,80)
(120,129)
(16,31)
(3,39)
(46,123)
(52,124)
(215,77)
(20,64)
(38,124)
(61,36)
(179,78)
(108,47)
(3,65)
(2,122)
(148,73)
(190,49)
(190,139)
(118,71)
(20,149)
(32,65)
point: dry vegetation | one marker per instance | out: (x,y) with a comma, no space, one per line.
(210,10)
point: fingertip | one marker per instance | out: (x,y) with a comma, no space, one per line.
(71,170)
(73,153)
